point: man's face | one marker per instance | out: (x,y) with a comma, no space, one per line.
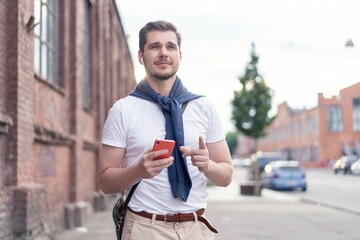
(161,55)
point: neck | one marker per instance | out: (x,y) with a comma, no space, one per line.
(163,87)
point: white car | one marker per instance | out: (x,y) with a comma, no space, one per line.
(241,162)
(355,167)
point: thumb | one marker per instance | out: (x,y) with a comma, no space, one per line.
(202,144)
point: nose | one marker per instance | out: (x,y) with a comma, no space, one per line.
(163,52)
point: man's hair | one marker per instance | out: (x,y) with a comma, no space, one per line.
(157,26)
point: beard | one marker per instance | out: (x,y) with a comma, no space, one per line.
(164,75)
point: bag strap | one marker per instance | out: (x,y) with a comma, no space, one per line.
(132,190)
(183,106)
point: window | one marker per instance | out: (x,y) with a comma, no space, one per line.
(46,35)
(356,115)
(86,56)
(334,119)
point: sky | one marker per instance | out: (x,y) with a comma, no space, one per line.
(300,44)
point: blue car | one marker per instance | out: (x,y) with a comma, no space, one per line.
(284,175)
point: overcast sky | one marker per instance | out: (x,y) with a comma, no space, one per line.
(300,44)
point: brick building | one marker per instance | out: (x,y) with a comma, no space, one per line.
(315,136)
(62,65)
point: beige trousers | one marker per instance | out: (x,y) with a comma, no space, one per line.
(140,228)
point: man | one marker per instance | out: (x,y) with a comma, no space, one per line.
(170,200)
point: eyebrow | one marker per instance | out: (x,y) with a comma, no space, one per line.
(153,44)
(158,43)
(173,44)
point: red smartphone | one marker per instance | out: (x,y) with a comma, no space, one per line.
(161,144)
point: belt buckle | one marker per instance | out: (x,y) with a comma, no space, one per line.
(166,216)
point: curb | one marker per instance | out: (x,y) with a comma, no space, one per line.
(329,205)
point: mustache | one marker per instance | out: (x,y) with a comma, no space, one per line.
(163,62)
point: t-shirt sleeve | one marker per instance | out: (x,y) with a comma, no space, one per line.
(114,131)
(215,128)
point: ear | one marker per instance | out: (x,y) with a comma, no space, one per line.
(180,57)
(140,57)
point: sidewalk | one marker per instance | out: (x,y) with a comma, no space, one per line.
(101,226)
(271,216)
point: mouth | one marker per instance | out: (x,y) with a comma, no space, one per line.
(160,63)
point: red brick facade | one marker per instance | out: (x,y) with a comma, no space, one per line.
(306,134)
(48,139)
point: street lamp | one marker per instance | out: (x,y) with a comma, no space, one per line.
(349,43)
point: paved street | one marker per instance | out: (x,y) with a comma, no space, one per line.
(281,220)
(274,215)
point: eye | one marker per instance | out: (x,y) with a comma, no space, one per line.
(172,47)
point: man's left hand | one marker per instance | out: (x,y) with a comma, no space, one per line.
(199,157)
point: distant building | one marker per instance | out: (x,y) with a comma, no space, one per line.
(318,135)
(62,66)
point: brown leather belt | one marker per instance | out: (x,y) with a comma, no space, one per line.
(178,217)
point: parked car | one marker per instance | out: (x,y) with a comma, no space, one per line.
(343,164)
(260,159)
(241,162)
(355,167)
(284,175)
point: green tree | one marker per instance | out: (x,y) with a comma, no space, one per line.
(231,139)
(251,104)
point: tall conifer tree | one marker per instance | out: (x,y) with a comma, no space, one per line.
(251,104)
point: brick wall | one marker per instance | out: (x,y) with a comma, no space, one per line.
(3,25)
(11,85)
(29,213)
(304,134)
(25,93)
(6,194)
(6,211)
(331,144)
(48,141)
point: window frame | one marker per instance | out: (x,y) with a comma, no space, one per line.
(356,114)
(335,119)
(46,46)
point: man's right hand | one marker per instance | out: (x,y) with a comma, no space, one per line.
(150,167)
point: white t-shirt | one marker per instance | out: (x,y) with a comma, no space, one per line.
(135,123)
